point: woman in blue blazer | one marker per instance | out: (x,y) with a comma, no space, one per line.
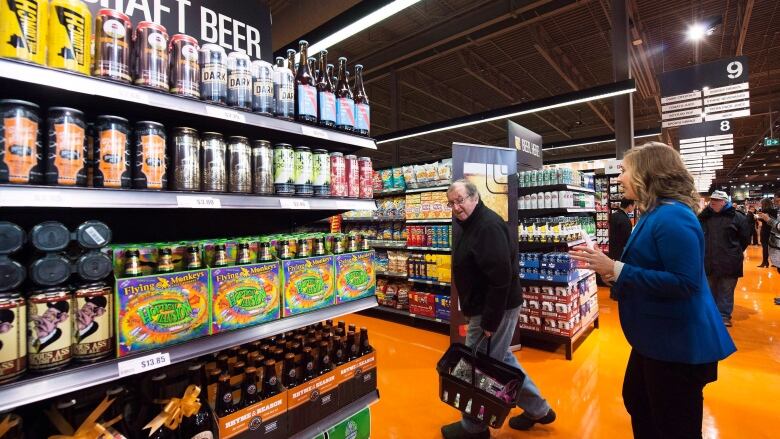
(666,309)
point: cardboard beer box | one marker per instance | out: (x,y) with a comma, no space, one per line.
(245,295)
(308,284)
(312,401)
(267,420)
(357,426)
(356,378)
(161,310)
(355,276)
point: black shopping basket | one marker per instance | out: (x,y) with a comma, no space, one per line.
(467,397)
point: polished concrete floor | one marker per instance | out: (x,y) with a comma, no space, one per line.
(585,392)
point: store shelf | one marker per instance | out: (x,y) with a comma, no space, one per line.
(554,187)
(533,246)
(38,83)
(583,274)
(403,312)
(389,192)
(428,282)
(430,249)
(369,219)
(390,245)
(556,211)
(75,197)
(32,388)
(391,275)
(568,342)
(345,412)
(427,189)
(429,221)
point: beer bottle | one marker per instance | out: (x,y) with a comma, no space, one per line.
(214,376)
(308,369)
(238,368)
(133,263)
(244,256)
(289,372)
(342,325)
(250,392)
(270,380)
(116,409)
(351,244)
(329,322)
(251,358)
(200,425)
(284,90)
(159,401)
(319,246)
(364,247)
(345,104)
(362,108)
(222,362)
(220,256)
(305,88)
(286,252)
(324,361)
(265,252)
(332,75)
(165,262)
(193,258)
(224,401)
(291,64)
(365,347)
(352,345)
(326,100)
(338,245)
(339,351)
(67,408)
(303,248)
(243,355)
(351,327)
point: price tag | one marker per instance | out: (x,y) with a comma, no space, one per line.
(224,113)
(292,203)
(314,132)
(144,364)
(33,199)
(196,202)
(131,94)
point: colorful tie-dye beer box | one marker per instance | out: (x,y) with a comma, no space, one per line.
(355,276)
(244,295)
(161,310)
(308,284)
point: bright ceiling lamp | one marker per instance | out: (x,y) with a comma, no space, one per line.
(696,32)
(361,24)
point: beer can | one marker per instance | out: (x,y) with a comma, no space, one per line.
(93,332)
(66,147)
(262,87)
(50,321)
(150,44)
(111,164)
(303,171)
(21,152)
(213,162)
(149,164)
(70,36)
(213,73)
(13,336)
(284,91)
(185,162)
(113,32)
(320,173)
(366,173)
(262,168)
(239,81)
(239,164)
(338,175)
(89,140)
(284,169)
(50,270)
(93,266)
(12,238)
(23,33)
(352,175)
(185,66)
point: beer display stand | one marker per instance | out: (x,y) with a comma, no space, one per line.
(148,216)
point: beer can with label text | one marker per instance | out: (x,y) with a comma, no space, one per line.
(213,152)
(262,87)
(50,322)
(338,175)
(70,36)
(150,57)
(213,73)
(113,34)
(239,165)
(93,325)
(149,164)
(239,81)
(366,176)
(303,172)
(66,147)
(262,168)
(321,173)
(353,176)
(112,152)
(185,162)
(24,31)
(185,67)
(284,169)
(21,151)
(13,336)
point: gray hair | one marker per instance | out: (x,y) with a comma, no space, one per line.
(471,188)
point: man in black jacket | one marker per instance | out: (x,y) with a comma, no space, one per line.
(726,236)
(486,274)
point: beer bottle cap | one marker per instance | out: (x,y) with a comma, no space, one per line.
(93,234)
(50,236)
(12,237)
(50,270)
(12,274)
(94,266)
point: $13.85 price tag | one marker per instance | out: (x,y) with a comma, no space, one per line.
(144,364)
(196,202)
(291,203)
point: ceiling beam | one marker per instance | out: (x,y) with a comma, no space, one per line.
(743,27)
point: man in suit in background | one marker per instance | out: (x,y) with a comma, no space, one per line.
(620,229)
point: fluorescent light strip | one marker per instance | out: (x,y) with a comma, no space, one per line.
(361,24)
(519,113)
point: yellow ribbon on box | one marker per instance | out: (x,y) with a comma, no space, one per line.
(7,425)
(89,429)
(176,409)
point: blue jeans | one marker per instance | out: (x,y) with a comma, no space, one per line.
(530,398)
(723,290)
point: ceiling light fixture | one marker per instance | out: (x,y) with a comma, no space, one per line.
(696,32)
(653,132)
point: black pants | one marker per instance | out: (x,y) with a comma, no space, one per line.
(765,252)
(754,236)
(665,399)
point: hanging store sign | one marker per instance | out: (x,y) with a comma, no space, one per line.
(712,91)
(528,145)
(236,25)
(712,139)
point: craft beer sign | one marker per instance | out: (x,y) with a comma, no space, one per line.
(236,25)
(712,91)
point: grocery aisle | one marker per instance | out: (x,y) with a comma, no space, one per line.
(585,392)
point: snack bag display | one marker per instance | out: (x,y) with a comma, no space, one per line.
(355,276)
(308,284)
(398,179)
(245,295)
(409,176)
(445,171)
(387,178)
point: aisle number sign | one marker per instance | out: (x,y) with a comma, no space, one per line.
(702,147)
(712,91)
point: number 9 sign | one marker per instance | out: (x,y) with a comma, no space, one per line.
(734,69)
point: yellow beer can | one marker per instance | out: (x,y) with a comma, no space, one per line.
(70,36)
(23,26)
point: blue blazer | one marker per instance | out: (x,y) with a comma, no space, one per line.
(666,308)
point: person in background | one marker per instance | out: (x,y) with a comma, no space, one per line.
(486,274)
(727,234)
(666,310)
(773,241)
(620,229)
(751,219)
(768,208)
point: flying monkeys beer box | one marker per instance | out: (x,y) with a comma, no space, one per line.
(308,284)
(161,310)
(245,295)
(355,276)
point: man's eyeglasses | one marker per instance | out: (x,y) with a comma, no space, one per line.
(459,202)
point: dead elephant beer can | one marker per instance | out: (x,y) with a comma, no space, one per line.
(21,151)
(112,152)
(66,163)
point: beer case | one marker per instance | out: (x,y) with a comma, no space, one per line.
(355,276)
(244,295)
(231,250)
(356,378)
(161,310)
(357,426)
(148,254)
(312,401)
(308,284)
(266,420)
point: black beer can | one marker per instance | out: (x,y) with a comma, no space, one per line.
(21,150)
(185,67)
(149,164)
(111,164)
(66,152)
(185,160)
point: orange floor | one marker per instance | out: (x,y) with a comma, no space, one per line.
(585,392)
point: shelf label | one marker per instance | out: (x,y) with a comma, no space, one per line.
(144,364)
(314,132)
(224,113)
(34,198)
(292,203)
(196,202)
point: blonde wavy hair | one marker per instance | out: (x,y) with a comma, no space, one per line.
(657,171)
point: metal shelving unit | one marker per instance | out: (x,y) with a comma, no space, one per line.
(430,249)
(369,219)
(323,425)
(428,282)
(539,246)
(554,187)
(403,312)
(429,221)
(390,245)
(568,342)
(583,274)
(32,388)
(427,189)
(392,275)
(557,211)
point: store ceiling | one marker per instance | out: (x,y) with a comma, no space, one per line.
(441,59)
